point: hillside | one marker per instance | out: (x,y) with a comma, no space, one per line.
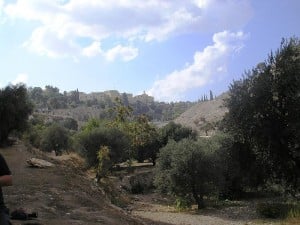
(61,195)
(200,115)
(82,107)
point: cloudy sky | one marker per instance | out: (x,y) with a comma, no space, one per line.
(171,49)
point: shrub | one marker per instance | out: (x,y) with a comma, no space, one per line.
(33,135)
(137,188)
(278,210)
(90,142)
(70,124)
(182,203)
(55,138)
(104,162)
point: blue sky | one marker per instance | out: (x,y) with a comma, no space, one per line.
(174,50)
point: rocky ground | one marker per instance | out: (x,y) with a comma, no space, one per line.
(62,194)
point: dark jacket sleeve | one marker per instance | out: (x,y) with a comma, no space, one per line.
(4,170)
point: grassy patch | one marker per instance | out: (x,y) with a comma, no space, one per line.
(183,204)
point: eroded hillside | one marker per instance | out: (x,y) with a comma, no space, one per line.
(204,115)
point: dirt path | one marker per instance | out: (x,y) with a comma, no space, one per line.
(61,195)
(168,214)
(241,213)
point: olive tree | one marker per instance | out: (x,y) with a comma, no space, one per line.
(15,109)
(188,169)
(264,114)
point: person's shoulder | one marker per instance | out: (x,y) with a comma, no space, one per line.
(1,158)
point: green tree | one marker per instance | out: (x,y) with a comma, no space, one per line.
(90,141)
(264,113)
(34,132)
(187,169)
(175,132)
(36,95)
(55,138)
(145,139)
(15,108)
(140,132)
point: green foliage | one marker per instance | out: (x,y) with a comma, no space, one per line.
(145,140)
(122,113)
(104,162)
(240,170)
(50,98)
(278,210)
(33,135)
(183,203)
(35,130)
(55,137)
(143,136)
(90,141)
(176,132)
(188,168)
(91,125)
(70,124)
(264,115)
(15,108)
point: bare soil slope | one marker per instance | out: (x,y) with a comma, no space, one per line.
(208,111)
(61,194)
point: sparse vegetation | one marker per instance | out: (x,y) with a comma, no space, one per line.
(277,210)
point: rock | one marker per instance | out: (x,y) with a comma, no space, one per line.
(39,163)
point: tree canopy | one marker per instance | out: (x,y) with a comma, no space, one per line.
(264,113)
(187,169)
(15,108)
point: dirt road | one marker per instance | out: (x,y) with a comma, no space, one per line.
(145,207)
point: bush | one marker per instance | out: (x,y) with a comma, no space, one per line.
(55,138)
(276,210)
(183,203)
(104,162)
(137,188)
(70,124)
(90,142)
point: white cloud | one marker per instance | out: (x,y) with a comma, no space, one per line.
(44,41)
(62,23)
(1,9)
(21,78)
(207,63)
(92,50)
(124,53)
